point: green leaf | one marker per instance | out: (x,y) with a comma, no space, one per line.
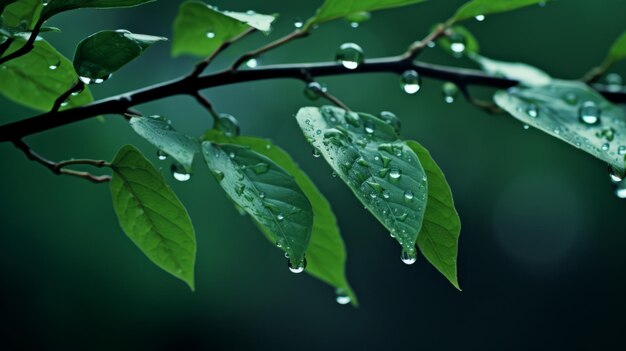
(439,238)
(151,214)
(267,192)
(21,15)
(57,6)
(159,132)
(326,253)
(618,49)
(200,29)
(4,4)
(384,173)
(334,9)
(30,80)
(459,36)
(487,7)
(573,112)
(101,54)
(525,74)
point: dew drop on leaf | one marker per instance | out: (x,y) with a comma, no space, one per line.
(227,124)
(605,147)
(391,119)
(280,217)
(621,193)
(210,35)
(342,296)
(410,82)
(350,55)
(589,113)
(299,268)
(369,127)
(179,173)
(252,63)
(161,155)
(408,257)
(408,195)
(316,153)
(395,173)
(532,110)
(621,150)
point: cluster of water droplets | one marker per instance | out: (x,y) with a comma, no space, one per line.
(350,55)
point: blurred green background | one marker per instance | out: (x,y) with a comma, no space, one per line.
(541,253)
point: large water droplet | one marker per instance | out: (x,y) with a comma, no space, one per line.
(532,110)
(391,119)
(161,155)
(621,193)
(410,81)
(179,172)
(480,18)
(589,113)
(227,124)
(350,55)
(299,268)
(408,195)
(408,256)
(342,297)
(314,90)
(252,63)
(457,44)
(450,91)
(614,82)
(395,173)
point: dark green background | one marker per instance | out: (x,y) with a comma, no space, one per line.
(541,252)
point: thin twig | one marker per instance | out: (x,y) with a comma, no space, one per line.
(255,53)
(202,65)
(5,46)
(417,47)
(58,167)
(202,100)
(78,86)
(27,47)
(487,106)
(333,99)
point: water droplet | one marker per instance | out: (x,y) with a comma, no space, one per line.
(410,81)
(457,44)
(621,150)
(342,297)
(589,113)
(231,154)
(299,268)
(350,55)
(333,174)
(408,257)
(354,24)
(386,194)
(239,188)
(318,132)
(532,110)
(402,217)
(89,80)
(314,90)
(53,67)
(431,44)
(298,23)
(262,195)
(615,175)
(65,103)
(480,18)
(227,124)
(614,82)
(179,172)
(450,91)
(369,127)
(571,98)
(210,35)
(605,147)
(161,155)
(621,193)
(219,175)
(252,63)
(77,92)
(316,153)
(408,195)
(395,173)
(280,217)
(526,126)
(391,119)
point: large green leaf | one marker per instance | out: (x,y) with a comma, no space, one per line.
(334,9)
(573,112)
(267,192)
(159,132)
(384,173)
(439,238)
(525,74)
(101,54)
(326,253)
(38,78)
(618,49)
(487,7)
(199,29)
(57,6)
(22,14)
(151,214)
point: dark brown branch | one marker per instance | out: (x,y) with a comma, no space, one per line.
(252,54)
(200,67)
(202,100)
(5,46)
(27,47)
(77,87)
(188,85)
(58,168)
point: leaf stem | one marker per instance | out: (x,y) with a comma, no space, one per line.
(27,47)
(202,100)
(252,54)
(202,65)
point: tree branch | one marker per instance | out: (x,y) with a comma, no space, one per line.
(303,71)
(27,47)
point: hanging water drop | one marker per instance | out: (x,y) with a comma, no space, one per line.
(457,44)
(89,80)
(450,91)
(410,81)
(350,55)
(342,297)
(161,155)
(369,127)
(589,113)
(614,82)
(408,257)
(480,18)
(316,153)
(391,119)
(227,124)
(621,193)
(532,110)
(314,90)
(615,175)
(298,23)
(252,63)
(525,126)
(299,268)
(179,172)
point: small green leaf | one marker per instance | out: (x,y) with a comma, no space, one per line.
(38,78)
(527,75)
(439,238)
(151,214)
(199,29)
(326,253)
(487,7)
(618,49)
(334,9)
(4,4)
(267,192)
(384,173)
(101,54)
(460,42)
(21,15)
(573,112)
(159,132)
(57,6)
